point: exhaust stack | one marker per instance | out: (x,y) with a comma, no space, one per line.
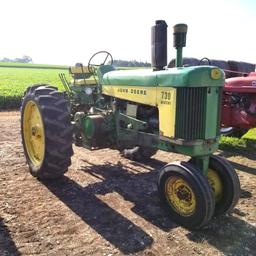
(159,45)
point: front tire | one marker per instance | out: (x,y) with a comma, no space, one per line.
(46,131)
(186,194)
(225,184)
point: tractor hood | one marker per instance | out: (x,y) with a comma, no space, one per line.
(241,84)
(196,76)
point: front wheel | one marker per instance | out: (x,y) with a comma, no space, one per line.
(46,131)
(225,184)
(186,194)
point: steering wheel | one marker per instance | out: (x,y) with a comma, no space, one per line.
(204,59)
(105,54)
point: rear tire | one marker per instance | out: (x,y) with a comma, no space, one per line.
(46,131)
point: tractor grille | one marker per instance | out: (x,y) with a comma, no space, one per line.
(191,113)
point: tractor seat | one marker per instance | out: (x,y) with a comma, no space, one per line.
(80,72)
(88,81)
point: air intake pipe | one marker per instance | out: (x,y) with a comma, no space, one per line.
(159,45)
(179,41)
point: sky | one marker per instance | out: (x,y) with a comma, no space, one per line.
(66,32)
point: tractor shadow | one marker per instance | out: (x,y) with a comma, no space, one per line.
(241,167)
(150,164)
(228,234)
(111,225)
(7,246)
(107,222)
(139,188)
(249,154)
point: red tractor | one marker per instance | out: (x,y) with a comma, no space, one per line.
(239,94)
(239,102)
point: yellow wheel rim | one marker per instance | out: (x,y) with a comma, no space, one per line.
(181,196)
(33,133)
(216,184)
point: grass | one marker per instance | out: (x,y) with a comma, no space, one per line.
(232,143)
(14,81)
(246,142)
(16,77)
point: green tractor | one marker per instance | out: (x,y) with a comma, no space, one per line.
(139,112)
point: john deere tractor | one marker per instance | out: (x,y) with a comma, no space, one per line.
(139,112)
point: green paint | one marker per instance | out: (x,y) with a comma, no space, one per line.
(80,96)
(197,76)
(202,149)
(202,162)
(88,127)
(179,57)
(212,113)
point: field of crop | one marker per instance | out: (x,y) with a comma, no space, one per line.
(15,78)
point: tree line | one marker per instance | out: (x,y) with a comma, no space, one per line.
(23,59)
(131,63)
(117,63)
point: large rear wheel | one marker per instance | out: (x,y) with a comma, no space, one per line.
(46,131)
(186,194)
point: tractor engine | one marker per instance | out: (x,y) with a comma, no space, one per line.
(145,113)
(94,130)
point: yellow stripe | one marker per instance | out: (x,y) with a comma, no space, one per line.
(139,94)
(166,101)
(162,97)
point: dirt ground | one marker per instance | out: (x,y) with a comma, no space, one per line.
(107,205)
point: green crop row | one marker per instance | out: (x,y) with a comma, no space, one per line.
(16,77)
(246,142)
(14,81)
